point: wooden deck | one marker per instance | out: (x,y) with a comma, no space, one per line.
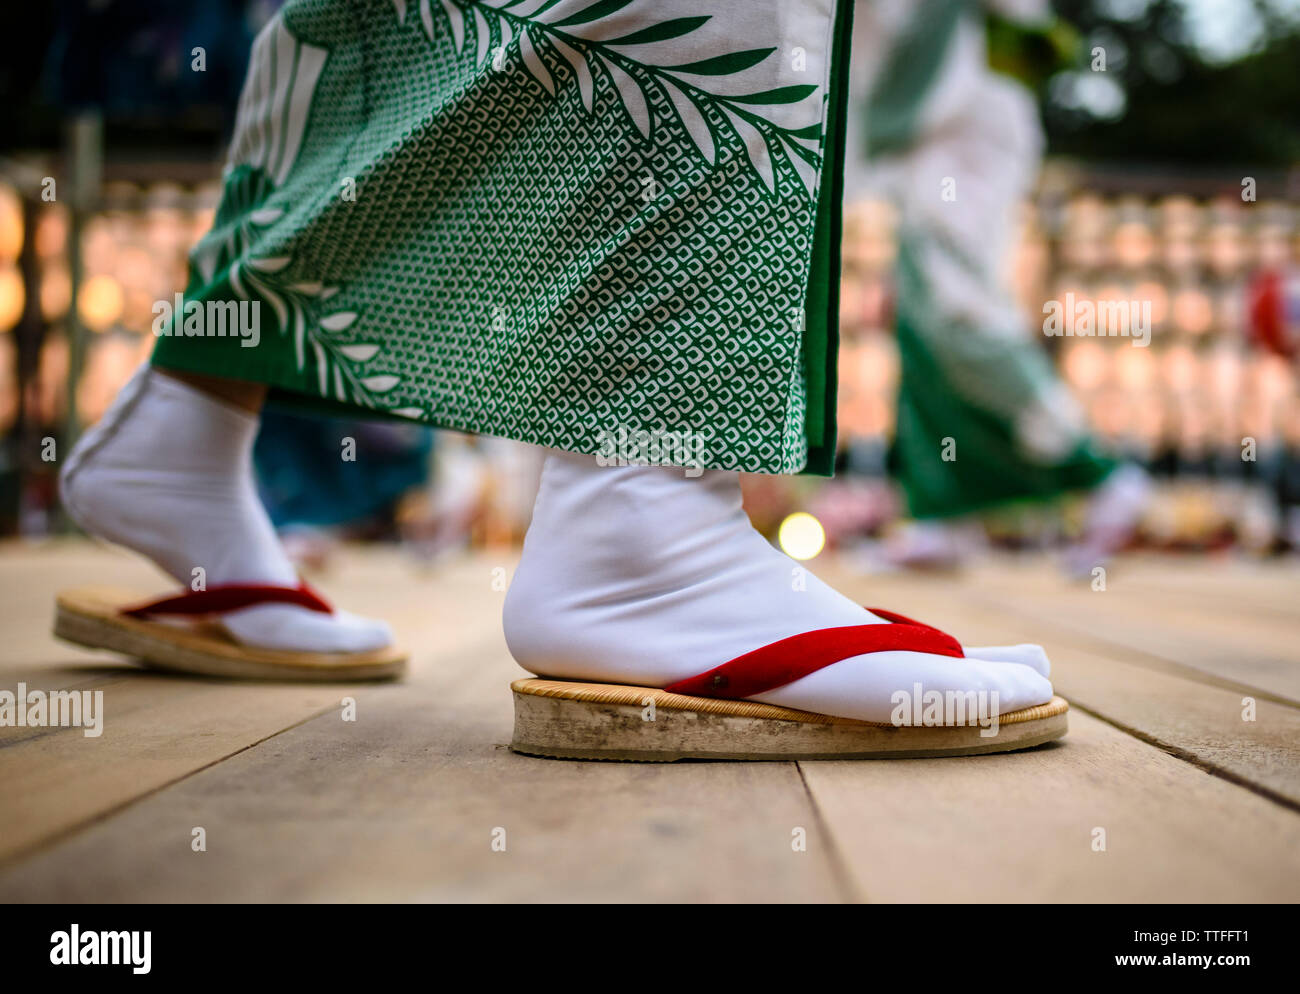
(403,803)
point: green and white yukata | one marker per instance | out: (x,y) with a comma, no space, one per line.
(958,147)
(549,220)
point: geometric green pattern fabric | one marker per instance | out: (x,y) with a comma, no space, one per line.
(543,220)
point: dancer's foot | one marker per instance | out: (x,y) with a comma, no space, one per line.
(168,473)
(934,545)
(1114,511)
(641,576)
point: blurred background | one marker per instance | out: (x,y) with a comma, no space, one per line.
(111,144)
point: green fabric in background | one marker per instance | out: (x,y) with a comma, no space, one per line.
(938,400)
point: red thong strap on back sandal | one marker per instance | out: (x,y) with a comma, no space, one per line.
(791,658)
(224,597)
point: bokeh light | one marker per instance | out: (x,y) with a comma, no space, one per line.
(801,536)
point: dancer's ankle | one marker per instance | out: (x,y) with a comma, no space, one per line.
(243,394)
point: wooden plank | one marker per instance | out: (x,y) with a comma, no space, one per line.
(1180,709)
(1238,626)
(156,728)
(1259,587)
(420,600)
(402,804)
(1263,589)
(1254,587)
(51,679)
(1020,826)
(30,574)
(1257,656)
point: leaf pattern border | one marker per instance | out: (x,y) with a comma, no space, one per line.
(252,197)
(297,307)
(634,81)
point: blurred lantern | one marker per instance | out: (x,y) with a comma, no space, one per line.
(56,292)
(99,245)
(1135,369)
(1086,364)
(1111,310)
(1150,290)
(1229,308)
(1181,254)
(12,297)
(1226,250)
(1109,412)
(1193,311)
(1179,216)
(1225,375)
(136,268)
(51,231)
(1272,248)
(1180,368)
(1084,253)
(100,302)
(1086,217)
(1134,245)
(11,225)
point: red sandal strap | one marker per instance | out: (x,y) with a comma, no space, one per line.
(223,597)
(901,619)
(789,659)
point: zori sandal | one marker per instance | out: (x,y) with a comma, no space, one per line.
(194,642)
(707,717)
